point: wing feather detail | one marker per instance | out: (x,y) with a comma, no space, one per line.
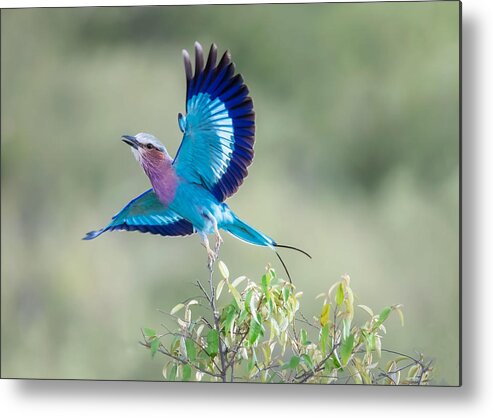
(146,213)
(219,127)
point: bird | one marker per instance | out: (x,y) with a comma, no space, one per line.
(188,191)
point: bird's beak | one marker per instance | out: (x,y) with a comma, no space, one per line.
(131,140)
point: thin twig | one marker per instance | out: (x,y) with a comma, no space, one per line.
(306,321)
(204,291)
(310,373)
(215,314)
(235,352)
(167,353)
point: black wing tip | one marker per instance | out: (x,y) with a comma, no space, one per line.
(226,59)
(212,57)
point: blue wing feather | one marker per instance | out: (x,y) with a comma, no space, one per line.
(146,213)
(219,134)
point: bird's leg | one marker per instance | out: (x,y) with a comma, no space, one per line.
(210,218)
(219,239)
(211,255)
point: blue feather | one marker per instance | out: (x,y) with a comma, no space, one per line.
(245,232)
(217,145)
(146,213)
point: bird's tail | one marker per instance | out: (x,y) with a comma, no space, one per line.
(245,232)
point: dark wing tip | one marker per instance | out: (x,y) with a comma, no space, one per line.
(211,59)
(227,56)
(188,64)
(199,59)
(93,234)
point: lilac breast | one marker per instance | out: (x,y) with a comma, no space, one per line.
(164,182)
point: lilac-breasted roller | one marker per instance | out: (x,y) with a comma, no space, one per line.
(188,192)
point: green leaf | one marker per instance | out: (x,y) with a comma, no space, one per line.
(324,317)
(346,327)
(199,330)
(329,365)
(378,346)
(346,349)
(191,350)
(335,362)
(155,343)
(212,342)
(370,342)
(255,330)
(223,269)
(187,372)
(173,371)
(383,316)
(149,332)
(177,308)
(235,294)
(253,311)
(230,316)
(293,363)
(340,294)
(307,360)
(236,306)
(349,302)
(248,299)
(401,316)
(303,337)
(251,364)
(238,280)
(242,317)
(275,331)
(266,278)
(285,294)
(219,289)
(324,333)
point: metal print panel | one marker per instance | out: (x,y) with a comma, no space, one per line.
(244,193)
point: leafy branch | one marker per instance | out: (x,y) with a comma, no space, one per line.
(248,333)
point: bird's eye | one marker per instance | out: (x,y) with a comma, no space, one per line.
(149,146)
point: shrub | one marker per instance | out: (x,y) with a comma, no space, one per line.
(241,330)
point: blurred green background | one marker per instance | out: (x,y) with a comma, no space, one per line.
(357,162)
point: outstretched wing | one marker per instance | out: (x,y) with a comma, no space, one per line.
(146,213)
(219,128)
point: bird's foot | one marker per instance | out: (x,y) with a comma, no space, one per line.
(219,240)
(211,255)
